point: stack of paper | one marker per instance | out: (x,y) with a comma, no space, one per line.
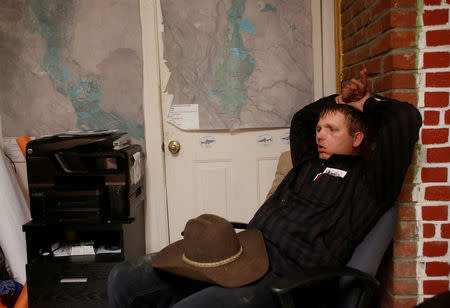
(101,249)
(80,250)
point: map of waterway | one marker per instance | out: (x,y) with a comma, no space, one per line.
(241,64)
(70,77)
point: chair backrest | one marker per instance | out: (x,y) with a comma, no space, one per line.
(368,255)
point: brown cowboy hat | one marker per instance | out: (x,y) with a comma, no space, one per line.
(211,251)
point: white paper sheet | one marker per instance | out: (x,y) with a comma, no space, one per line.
(14,212)
(184,116)
(12,149)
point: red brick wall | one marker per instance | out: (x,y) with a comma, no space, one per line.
(434,192)
(410,62)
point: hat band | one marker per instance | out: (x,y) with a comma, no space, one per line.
(212,264)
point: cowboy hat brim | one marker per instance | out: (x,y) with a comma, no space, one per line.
(249,267)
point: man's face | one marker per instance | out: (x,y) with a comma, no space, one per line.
(333,137)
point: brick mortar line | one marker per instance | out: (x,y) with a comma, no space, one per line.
(436,28)
(386,32)
(394,52)
(428,88)
(397,71)
(436,237)
(426,260)
(400,50)
(435,126)
(360,13)
(349,5)
(380,16)
(435,146)
(395,29)
(435,70)
(430,203)
(436,7)
(432,48)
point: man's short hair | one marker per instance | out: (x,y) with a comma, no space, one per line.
(354,117)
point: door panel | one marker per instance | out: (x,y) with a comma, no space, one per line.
(213,180)
(229,179)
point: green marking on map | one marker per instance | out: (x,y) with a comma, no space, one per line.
(268,8)
(229,79)
(83,88)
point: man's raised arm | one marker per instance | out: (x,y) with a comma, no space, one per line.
(399,125)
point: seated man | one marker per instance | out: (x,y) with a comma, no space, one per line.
(332,197)
(320,211)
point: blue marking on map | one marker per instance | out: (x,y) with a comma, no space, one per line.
(41,29)
(83,88)
(96,96)
(238,53)
(232,13)
(47,31)
(73,93)
(229,82)
(210,94)
(252,60)
(83,115)
(50,63)
(247,26)
(293,27)
(65,73)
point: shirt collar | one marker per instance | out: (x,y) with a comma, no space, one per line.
(335,158)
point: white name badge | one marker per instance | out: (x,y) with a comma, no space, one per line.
(335,172)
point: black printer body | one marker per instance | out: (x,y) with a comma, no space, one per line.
(82,179)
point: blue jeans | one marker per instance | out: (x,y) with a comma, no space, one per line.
(135,283)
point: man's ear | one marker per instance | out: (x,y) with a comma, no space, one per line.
(357,139)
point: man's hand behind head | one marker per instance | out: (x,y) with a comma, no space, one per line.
(356,90)
(355,93)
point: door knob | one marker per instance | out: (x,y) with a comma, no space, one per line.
(174,147)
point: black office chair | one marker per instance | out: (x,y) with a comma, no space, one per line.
(356,280)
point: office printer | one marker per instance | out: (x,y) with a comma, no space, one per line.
(80,178)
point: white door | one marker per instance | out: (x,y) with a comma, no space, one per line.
(229,179)
(228,174)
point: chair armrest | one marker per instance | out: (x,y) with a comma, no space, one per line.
(236,225)
(296,280)
(239,225)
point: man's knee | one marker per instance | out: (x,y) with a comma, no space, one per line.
(133,276)
(118,276)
